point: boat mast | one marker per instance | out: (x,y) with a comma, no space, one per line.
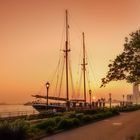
(84,67)
(66,57)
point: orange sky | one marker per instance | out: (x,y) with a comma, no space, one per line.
(31,32)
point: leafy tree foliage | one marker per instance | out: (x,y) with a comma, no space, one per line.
(126,66)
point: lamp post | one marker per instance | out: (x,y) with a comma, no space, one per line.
(47,87)
(90,97)
(123,99)
(130,98)
(110,99)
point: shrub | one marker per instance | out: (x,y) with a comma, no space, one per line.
(76,122)
(99,115)
(63,124)
(71,114)
(17,130)
(57,119)
(50,130)
(129,108)
(20,129)
(107,114)
(33,130)
(5,131)
(47,123)
(68,123)
(79,116)
(86,118)
(115,110)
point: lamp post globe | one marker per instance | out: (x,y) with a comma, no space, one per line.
(90,97)
(47,86)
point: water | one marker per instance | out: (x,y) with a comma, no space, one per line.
(16,110)
(112,104)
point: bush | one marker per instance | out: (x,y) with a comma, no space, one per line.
(115,110)
(129,108)
(57,119)
(17,130)
(58,114)
(33,130)
(102,115)
(47,123)
(5,131)
(79,116)
(63,124)
(86,118)
(50,130)
(35,133)
(99,115)
(108,114)
(76,122)
(20,129)
(68,123)
(71,114)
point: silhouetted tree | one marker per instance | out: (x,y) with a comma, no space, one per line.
(126,66)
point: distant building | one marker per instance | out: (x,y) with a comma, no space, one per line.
(136,92)
(135,96)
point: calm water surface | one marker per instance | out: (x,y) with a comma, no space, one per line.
(13,110)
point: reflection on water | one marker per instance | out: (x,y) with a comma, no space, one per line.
(112,104)
(15,110)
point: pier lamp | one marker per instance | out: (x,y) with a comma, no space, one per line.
(123,99)
(47,87)
(110,99)
(90,97)
(130,98)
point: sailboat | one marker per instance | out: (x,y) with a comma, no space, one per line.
(67,103)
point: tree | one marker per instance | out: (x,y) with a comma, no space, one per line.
(126,66)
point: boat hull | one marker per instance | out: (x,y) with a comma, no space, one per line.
(44,107)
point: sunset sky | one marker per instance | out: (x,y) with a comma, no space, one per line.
(31,34)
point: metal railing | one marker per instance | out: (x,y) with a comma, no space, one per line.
(17,113)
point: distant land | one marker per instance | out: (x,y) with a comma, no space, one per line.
(28,103)
(4,103)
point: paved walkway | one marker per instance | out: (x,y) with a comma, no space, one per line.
(116,128)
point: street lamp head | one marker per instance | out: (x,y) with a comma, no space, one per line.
(47,84)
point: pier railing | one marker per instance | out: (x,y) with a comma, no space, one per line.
(17,114)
